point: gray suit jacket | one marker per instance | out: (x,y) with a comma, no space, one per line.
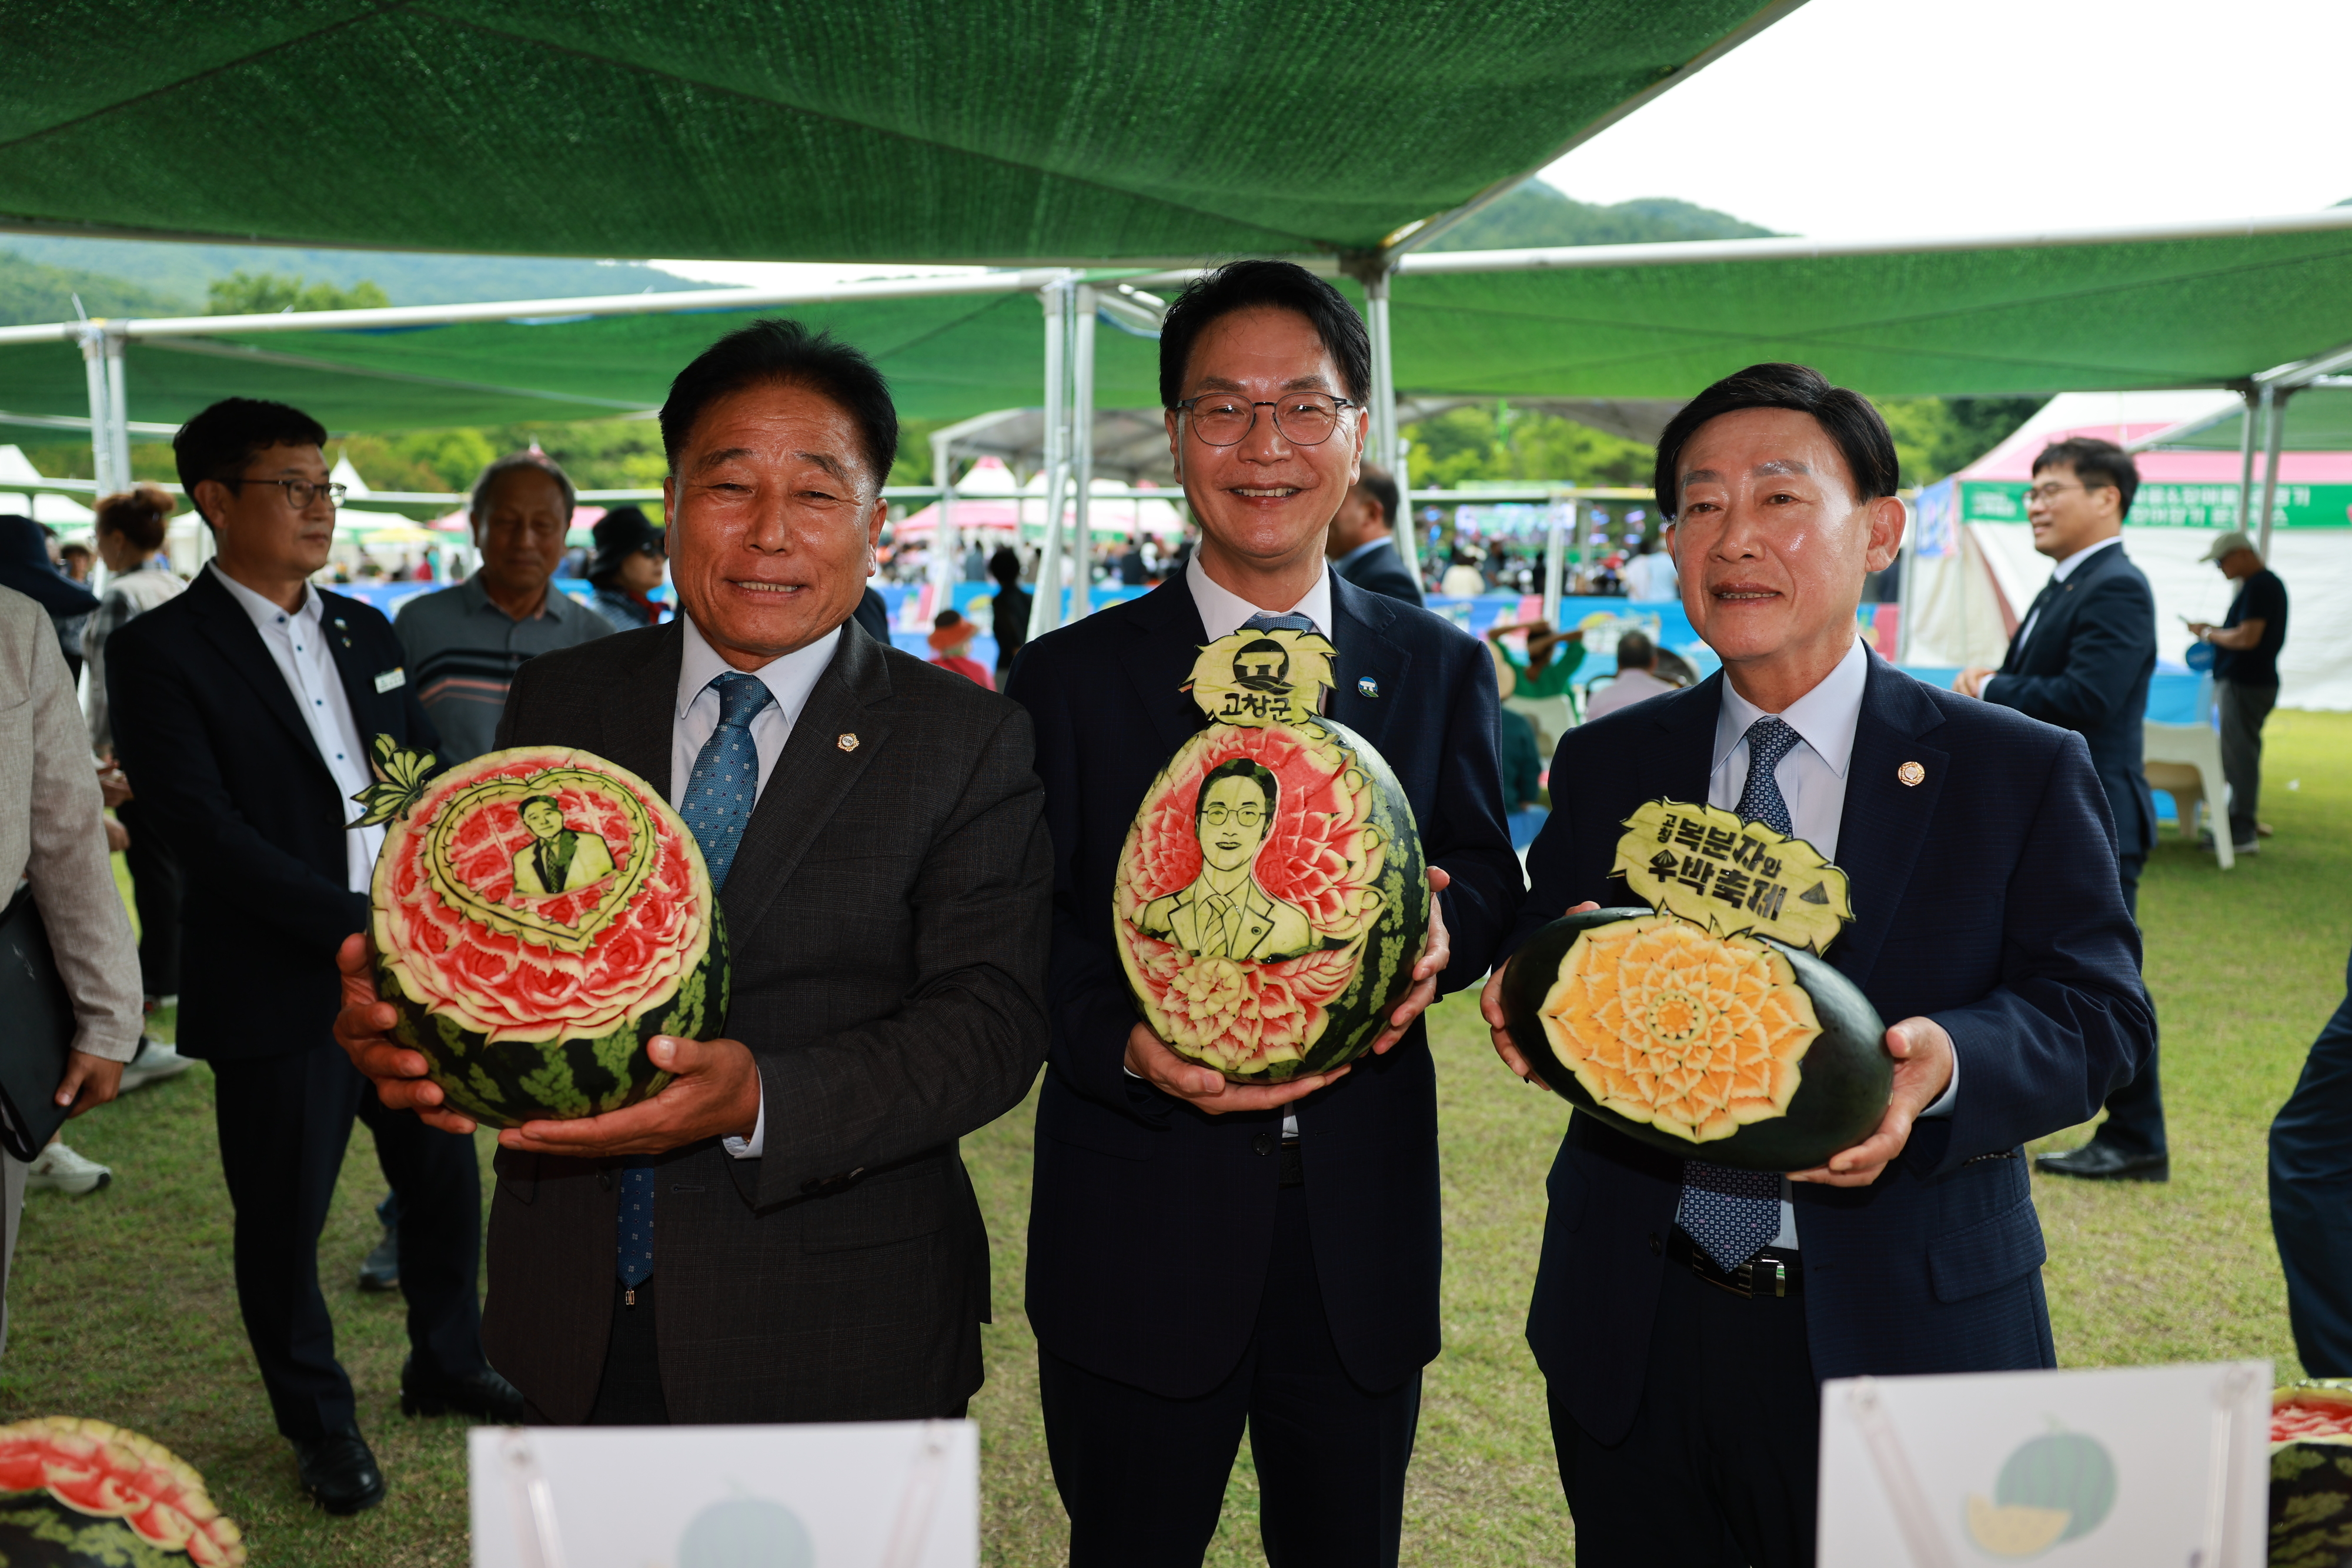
(887,917)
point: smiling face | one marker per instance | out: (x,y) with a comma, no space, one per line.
(2068,515)
(1234,812)
(775,516)
(1772,545)
(542,819)
(1263,500)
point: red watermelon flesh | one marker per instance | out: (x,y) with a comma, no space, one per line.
(107,1472)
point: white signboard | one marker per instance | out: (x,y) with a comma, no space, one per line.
(2156,1467)
(881,1494)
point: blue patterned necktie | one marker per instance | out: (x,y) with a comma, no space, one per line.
(1732,1213)
(1290,621)
(719,795)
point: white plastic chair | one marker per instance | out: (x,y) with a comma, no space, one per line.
(2184,761)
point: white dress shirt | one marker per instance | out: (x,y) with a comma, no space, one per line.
(1223,613)
(1812,778)
(2064,571)
(298,646)
(789,680)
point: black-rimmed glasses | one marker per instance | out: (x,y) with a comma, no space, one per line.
(1303,419)
(300,493)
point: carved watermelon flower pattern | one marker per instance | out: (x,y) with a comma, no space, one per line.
(110,1472)
(1694,1034)
(503,984)
(1320,856)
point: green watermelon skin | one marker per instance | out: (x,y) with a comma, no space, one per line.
(2311,1506)
(37,1531)
(504,1083)
(1846,1076)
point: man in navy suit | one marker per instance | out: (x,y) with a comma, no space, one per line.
(1362,541)
(1683,1313)
(243,713)
(2081,660)
(1205,1256)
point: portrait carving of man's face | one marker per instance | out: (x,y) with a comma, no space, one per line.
(543,818)
(1234,822)
(1263,666)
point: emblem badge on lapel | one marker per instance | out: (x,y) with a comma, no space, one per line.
(847,742)
(1369,687)
(1911,773)
(346,632)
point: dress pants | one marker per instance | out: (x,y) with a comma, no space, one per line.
(2244,709)
(1143,1476)
(284,1122)
(155,890)
(1720,1469)
(2135,1121)
(2311,1199)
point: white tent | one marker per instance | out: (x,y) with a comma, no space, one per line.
(57,511)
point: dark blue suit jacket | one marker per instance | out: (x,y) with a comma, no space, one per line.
(224,767)
(1152,1224)
(1986,898)
(2087,668)
(1383,571)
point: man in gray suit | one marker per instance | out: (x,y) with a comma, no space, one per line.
(819,1254)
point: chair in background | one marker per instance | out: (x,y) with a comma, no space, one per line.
(2184,761)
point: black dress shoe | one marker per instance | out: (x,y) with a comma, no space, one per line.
(2096,1161)
(483,1394)
(339,1472)
(380,1270)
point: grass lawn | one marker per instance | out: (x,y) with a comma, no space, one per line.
(122,1306)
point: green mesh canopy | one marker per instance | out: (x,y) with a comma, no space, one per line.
(898,129)
(2318,419)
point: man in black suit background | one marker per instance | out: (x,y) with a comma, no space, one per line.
(243,710)
(1363,540)
(1683,1313)
(816,1252)
(1205,1256)
(2081,660)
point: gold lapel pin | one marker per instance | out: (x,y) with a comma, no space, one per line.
(848,743)
(1911,773)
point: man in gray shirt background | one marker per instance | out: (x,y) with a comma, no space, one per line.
(465,644)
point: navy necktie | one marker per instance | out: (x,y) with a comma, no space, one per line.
(719,795)
(1267,621)
(1732,1213)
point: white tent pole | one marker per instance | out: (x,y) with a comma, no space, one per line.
(947,546)
(1082,450)
(102,408)
(1408,542)
(1556,559)
(2257,404)
(2275,432)
(118,399)
(1045,607)
(1381,446)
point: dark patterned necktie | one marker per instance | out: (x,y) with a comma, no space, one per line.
(2033,614)
(719,795)
(1290,621)
(1732,1213)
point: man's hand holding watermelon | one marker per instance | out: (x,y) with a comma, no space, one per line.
(714,1091)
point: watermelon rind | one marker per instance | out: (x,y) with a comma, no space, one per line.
(1845,1077)
(499,1064)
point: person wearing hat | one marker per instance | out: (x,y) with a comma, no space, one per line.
(27,565)
(627,568)
(1549,664)
(951,637)
(2245,676)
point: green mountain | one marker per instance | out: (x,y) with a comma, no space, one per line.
(1537,214)
(32,292)
(181,272)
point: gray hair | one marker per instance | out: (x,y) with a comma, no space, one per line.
(508,465)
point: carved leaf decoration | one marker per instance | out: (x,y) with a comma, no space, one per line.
(400,779)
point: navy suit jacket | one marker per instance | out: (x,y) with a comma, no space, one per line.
(1985,898)
(1383,571)
(2087,668)
(224,767)
(1152,1224)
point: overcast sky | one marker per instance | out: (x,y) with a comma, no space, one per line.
(1859,118)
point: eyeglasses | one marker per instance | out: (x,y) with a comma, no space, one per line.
(1303,419)
(300,493)
(1247,815)
(2045,494)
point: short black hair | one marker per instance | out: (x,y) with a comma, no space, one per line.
(1377,483)
(2096,463)
(1269,285)
(1861,434)
(222,439)
(1005,566)
(778,350)
(1636,651)
(1239,768)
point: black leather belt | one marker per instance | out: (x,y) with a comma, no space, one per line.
(1773,1272)
(1293,1169)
